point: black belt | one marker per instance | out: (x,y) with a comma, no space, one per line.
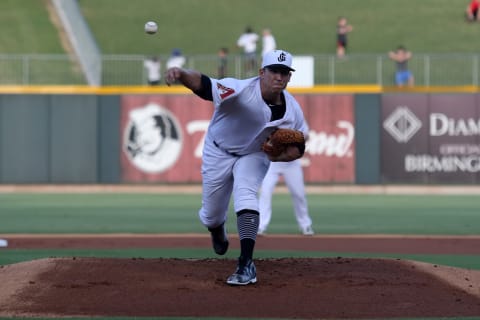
(230,153)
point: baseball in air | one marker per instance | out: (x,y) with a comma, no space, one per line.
(151,27)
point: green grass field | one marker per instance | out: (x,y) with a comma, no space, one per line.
(175,213)
(202,26)
(302,26)
(26,28)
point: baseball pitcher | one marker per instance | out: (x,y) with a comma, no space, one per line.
(238,147)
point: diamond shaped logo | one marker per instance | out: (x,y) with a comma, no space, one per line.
(402,124)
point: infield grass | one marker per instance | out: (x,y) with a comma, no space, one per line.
(10,256)
(176,213)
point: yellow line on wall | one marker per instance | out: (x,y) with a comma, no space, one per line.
(331,89)
(103,90)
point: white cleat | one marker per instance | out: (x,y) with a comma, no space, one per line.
(308,231)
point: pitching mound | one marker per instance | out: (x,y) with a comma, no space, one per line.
(286,288)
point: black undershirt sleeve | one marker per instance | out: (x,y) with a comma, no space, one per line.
(205,91)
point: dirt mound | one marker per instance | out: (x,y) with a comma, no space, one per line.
(286,288)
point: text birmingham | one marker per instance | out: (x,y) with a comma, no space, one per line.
(451,163)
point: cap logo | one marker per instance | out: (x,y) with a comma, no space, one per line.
(282,57)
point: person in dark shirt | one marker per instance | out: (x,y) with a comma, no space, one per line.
(403,76)
(343,28)
(222,63)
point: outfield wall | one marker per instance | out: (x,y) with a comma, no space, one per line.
(139,135)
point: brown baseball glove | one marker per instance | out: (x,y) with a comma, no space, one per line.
(280,139)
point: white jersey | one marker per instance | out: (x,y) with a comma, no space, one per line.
(153,69)
(176,61)
(268,44)
(248,41)
(238,125)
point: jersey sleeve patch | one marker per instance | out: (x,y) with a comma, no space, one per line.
(224,91)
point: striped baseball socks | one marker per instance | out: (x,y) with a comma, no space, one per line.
(247,224)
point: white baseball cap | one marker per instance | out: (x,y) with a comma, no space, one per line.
(277,58)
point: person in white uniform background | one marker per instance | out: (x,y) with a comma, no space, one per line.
(292,174)
(176,59)
(245,113)
(153,67)
(268,41)
(248,42)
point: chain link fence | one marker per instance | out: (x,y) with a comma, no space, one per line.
(118,70)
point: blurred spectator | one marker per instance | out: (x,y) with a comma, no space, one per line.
(472,10)
(268,41)
(153,67)
(222,63)
(176,59)
(403,76)
(343,28)
(248,41)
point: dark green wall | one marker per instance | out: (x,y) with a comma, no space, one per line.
(76,138)
(24,138)
(73,139)
(367,138)
(109,139)
(59,139)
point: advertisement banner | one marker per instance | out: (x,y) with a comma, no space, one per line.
(162,138)
(329,155)
(430,138)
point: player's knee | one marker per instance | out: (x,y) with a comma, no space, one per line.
(212,219)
